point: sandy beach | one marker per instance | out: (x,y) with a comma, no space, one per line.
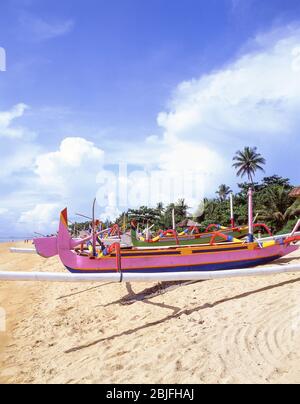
(222,331)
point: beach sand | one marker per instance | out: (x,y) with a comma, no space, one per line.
(222,331)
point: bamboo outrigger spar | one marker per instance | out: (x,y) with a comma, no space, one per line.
(147,277)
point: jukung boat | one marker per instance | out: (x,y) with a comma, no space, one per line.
(110,263)
(191,235)
(211,257)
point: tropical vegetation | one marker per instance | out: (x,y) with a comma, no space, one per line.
(272,203)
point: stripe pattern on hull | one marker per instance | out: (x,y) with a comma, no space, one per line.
(204,268)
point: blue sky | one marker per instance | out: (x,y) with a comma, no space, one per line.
(159,84)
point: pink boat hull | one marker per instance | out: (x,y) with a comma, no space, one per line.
(199,261)
(176,259)
(46,247)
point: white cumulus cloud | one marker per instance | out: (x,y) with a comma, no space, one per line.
(7,127)
(72,168)
(40,29)
(42,218)
(253,101)
(17,146)
(256,96)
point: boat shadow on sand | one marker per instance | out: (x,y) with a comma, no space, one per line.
(284,261)
(157,290)
(178,312)
(84,291)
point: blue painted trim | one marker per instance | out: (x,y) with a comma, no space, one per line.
(250,238)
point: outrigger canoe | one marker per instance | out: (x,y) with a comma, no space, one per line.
(192,235)
(188,237)
(211,257)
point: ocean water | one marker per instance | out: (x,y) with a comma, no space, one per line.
(10,239)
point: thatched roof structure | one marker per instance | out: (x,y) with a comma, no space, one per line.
(187,223)
(295,193)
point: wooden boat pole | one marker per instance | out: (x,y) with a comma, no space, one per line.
(145,277)
(296,228)
(280,236)
(231,211)
(173,219)
(250,215)
(94,229)
(84,216)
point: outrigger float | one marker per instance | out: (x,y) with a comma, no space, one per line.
(214,260)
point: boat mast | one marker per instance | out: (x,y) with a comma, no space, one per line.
(124,223)
(231,211)
(94,229)
(173,219)
(250,215)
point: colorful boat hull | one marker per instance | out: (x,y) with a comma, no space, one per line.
(175,259)
(179,261)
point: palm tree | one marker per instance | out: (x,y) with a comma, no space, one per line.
(181,208)
(209,208)
(181,212)
(144,214)
(160,222)
(248,162)
(278,207)
(160,208)
(223,192)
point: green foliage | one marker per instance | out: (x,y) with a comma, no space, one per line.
(288,228)
(275,180)
(276,207)
(75,228)
(271,202)
(160,216)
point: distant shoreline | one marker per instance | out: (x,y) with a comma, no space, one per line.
(13,240)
